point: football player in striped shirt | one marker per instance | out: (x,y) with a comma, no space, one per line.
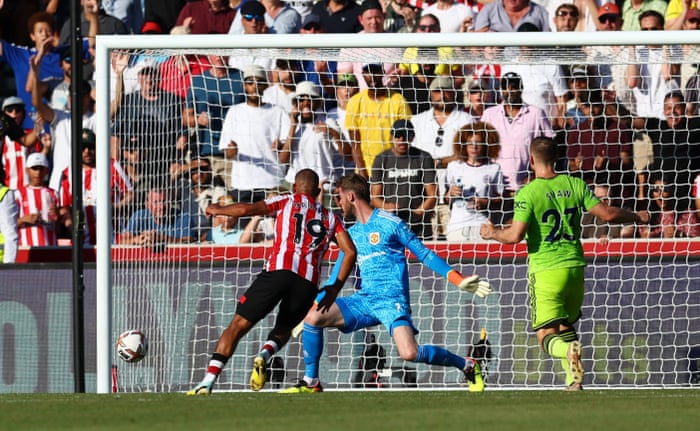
(304,229)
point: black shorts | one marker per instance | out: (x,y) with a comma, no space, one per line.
(294,293)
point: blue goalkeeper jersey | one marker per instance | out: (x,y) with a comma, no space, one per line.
(381,255)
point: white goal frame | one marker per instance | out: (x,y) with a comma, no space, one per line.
(105,44)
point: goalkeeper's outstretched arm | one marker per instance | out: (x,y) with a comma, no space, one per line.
(472,283)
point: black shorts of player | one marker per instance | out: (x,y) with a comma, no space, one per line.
(294,293)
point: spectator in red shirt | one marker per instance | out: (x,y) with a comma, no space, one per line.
(36,222)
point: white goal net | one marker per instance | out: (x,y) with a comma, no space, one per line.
(188,132)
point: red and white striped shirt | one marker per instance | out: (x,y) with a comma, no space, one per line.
(304,229)
(33,200)
(13,159)
(120,185)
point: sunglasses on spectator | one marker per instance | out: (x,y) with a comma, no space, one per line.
(14,108)
(429,27)
(401,134)
(693,20)
(439,138)
(251,17)
(607,18)
(567,13)
(658,188)
(651,28)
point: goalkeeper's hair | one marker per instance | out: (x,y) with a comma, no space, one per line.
(357,184)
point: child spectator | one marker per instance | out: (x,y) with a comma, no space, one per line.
(37,206)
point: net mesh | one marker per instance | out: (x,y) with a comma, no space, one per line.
(181,284)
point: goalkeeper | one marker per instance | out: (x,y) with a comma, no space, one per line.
(548,213)
(381,239)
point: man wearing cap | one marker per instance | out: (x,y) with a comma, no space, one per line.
(517,123)
(612,77)
(252,137)
(435,131)
(38,212)
(312,143)
(476,95)
(120,187)
(369,116)
(270,16)
(250,19)
(338,16)
(580,81)
(403,181)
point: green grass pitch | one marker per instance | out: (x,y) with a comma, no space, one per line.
(618,410)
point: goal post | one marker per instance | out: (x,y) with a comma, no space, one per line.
(639,323)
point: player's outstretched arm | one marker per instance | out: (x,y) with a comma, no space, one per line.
(239,209)
(610,214)
(472,283)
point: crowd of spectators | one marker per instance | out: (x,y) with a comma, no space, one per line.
(445,146)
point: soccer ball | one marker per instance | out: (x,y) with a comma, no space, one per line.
(132,345)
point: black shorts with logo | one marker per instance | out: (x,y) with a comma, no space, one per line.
(294,293)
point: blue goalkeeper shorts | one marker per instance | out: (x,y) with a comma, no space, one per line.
(362,311)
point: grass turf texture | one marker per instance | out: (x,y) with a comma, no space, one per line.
(373,410)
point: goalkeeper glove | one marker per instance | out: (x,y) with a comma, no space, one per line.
(473,284)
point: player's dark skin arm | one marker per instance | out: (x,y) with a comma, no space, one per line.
(239,209)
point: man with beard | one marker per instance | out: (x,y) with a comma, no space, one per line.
(435,131)
(517,123)
(311,142)
(252,136)
(403,181)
